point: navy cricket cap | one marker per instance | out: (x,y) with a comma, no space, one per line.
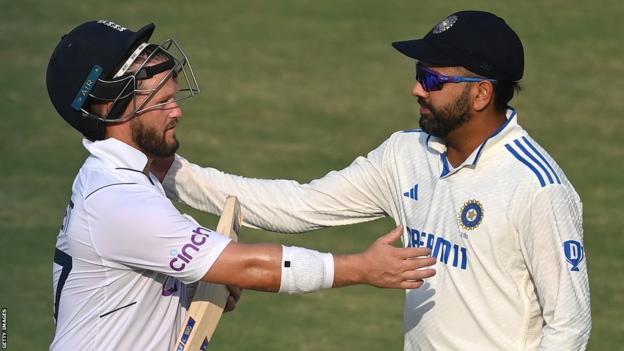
(93,50)
(479,41)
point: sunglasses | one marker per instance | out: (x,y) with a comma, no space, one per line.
(431,80)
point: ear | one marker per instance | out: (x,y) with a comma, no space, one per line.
(484,95)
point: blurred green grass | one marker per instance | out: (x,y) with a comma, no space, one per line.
(293,89)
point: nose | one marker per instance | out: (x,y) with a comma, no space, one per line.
(174,110)
(418,91)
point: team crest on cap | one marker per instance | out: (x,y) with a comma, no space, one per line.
(445,25)
(471,215)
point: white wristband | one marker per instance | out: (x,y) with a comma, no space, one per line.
(305,270)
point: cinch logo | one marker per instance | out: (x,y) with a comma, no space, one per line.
(574,253)
(185,255)
(442,249)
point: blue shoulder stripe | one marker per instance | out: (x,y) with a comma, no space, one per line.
(527,153)
(445,164)
(417,130)
(526,163)
(526,141)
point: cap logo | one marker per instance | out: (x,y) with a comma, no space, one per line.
(113,25)
(445,25)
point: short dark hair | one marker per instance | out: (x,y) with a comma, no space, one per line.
(503,93)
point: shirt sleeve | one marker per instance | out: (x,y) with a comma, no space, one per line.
(552,242)
(355,194)
(134,226)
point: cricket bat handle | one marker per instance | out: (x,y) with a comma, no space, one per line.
(210,299)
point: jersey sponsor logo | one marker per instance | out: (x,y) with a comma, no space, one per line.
(199,238)
(442,249)
(574,253)
(412,193)
(471,215)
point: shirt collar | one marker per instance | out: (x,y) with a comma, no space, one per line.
(438,145)
(117,153)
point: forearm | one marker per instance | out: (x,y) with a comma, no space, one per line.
(348,270)
(297,270)
(248,266)
(276,205)
(277,268)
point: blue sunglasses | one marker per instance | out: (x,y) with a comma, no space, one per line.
(431,80)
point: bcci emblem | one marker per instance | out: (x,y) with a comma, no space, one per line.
(445,25)
(574,253)
(471,215)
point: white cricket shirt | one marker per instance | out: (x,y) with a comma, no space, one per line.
(123,255)
(505,226)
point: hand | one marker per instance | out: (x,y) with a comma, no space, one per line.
(235,294)
(387,266)
(160,166)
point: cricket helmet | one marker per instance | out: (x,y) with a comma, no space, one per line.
(90,65)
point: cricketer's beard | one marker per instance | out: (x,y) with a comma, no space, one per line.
(444,120)
(151,142)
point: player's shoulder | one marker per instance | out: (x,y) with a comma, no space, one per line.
(411,133)
(410,136)
(402,144)
(97,177)
(529,164)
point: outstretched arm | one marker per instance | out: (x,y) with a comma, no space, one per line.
(261,267)
(156,237)
(361,192)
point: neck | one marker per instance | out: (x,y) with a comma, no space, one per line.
(123,136)
(462,142)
